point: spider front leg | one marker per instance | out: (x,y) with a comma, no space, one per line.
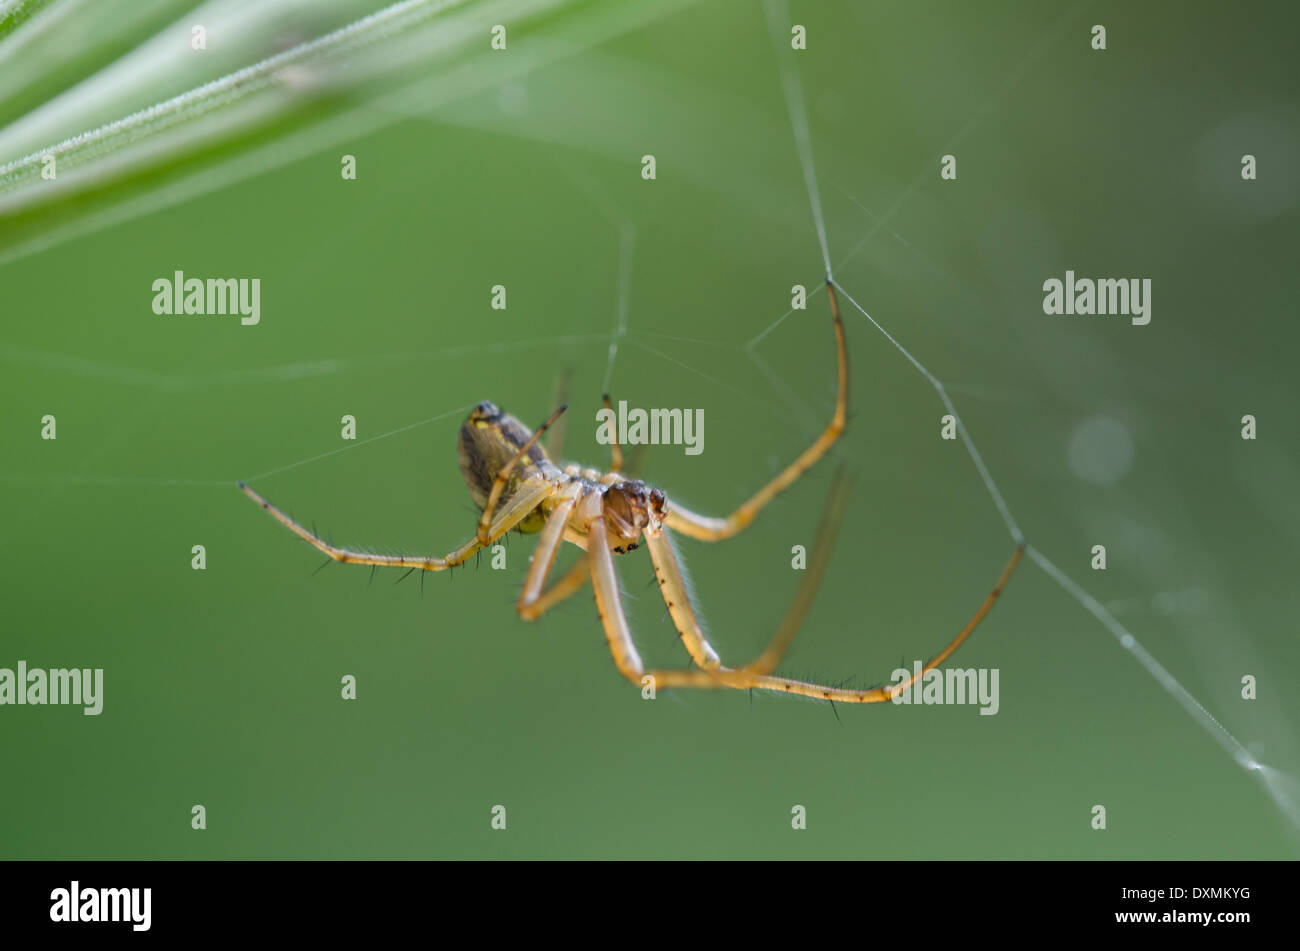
(608,603)
(531,493)
(672,585)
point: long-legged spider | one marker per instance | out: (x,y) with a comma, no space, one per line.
(517,487)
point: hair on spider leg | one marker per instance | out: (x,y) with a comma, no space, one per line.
(850,683)
(835,711)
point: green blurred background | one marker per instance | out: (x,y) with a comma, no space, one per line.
(223,686)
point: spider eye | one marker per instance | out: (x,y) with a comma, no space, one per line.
(484,412)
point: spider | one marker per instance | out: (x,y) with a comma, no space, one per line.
(517,487)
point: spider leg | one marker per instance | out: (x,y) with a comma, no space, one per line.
(531,493)
(819,557)
(669,573)
(672,585)
(710,529)
(555,442)
(623,465)
(745,679)
(615,450)
(530,604)
(503,477)
(608,603)
(628,661)
(566,587)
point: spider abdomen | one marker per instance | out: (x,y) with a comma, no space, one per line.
(488,440)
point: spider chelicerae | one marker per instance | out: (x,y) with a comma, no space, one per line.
(518,488)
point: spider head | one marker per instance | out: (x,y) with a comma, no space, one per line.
(488,440)
(632,508)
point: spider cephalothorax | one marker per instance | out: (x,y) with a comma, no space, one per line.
(631,508)
(518,488)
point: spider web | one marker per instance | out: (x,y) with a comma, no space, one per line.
(1280,786)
